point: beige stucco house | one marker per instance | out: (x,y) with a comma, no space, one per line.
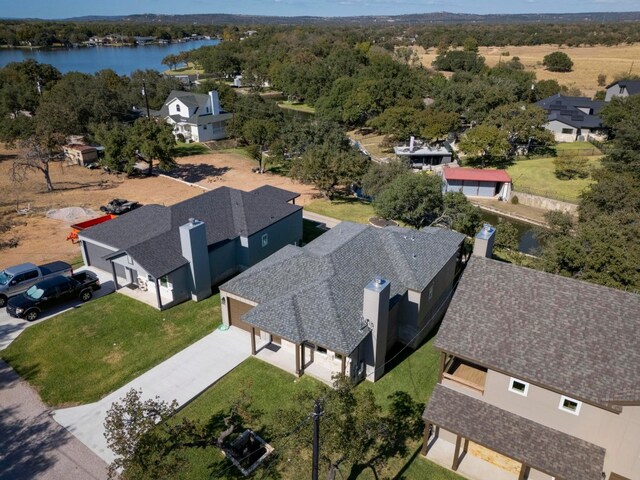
(541,369)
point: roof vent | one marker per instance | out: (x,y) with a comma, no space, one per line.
(415,256)
(378,280)
(192,221)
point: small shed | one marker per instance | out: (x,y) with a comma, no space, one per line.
(476,182)
(80,154)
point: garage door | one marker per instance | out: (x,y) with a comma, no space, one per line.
(470,188)
(236,310)
(94,257)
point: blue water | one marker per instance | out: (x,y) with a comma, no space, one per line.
(122,60)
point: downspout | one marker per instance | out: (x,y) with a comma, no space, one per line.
(158,293)
(115,277)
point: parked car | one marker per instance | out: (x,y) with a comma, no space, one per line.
(118,206)
(17,279)
(45,294)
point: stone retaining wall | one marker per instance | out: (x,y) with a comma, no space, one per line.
(544,202)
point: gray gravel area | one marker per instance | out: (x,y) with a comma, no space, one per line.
(32,444)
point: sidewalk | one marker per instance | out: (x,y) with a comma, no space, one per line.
(182,377)
(329,222)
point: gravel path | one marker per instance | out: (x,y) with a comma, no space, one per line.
(32,444)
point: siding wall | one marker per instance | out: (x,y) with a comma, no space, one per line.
(285,232)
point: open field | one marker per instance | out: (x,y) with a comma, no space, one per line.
(42,239)
(588,62)
(81,355)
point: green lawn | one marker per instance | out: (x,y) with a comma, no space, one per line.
(537,176)
(79,356)
(299,107)
(269,389)
(350,209)
(188,149)
(190,69)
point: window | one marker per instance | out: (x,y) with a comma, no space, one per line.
(204,127)
(164,281)
(265,239)
(31,275)
(570,405)
(321,350)
(177,107)
(567,130)
(518,386)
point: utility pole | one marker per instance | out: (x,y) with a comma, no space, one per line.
(317,413)
(146,99)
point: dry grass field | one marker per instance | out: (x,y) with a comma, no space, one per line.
(588,62)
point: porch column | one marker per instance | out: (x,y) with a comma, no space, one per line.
(115,277)
(465,447)
(456,454)
(344,365)
(302,357)
(442,363)
(425,440)
(523,472)
(253,341)
(297,360)
(157,283)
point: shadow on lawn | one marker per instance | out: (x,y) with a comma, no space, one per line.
(192,173)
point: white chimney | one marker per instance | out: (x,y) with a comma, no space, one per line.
(411,142)
(215,102)
(375,314)
(483,244)
(193,243)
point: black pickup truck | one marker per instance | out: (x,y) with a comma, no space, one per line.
(45,294)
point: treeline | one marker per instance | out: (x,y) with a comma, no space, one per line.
(45,34)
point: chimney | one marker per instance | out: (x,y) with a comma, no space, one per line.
(483,244)
(215,102)
(375,313)
(411,143)
(193,242)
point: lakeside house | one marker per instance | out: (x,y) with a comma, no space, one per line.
(424,156)
(540,371)
(573,119)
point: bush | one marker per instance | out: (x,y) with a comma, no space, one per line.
(507,236)
(558,62)
(567,168)
(602,80)
(515,200)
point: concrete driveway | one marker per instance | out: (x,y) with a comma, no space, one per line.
(181,377)
(32,445)
(11,327)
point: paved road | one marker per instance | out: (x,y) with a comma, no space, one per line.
(181,377)
(11,327)
(32,445)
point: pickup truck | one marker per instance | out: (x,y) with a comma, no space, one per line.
(17,279)
(52,291)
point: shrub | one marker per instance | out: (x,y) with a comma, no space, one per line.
(567,168)
(558,62)
(602,80)
(507,236)
(515,200)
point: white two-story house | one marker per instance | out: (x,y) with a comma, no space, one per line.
(195,116)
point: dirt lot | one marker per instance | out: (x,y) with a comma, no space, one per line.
(42,239)
(588,62)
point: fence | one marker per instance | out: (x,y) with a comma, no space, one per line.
(541,192)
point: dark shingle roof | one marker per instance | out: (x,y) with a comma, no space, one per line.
(192,100)
(150,233)
(567,110)
(526,441)
(632,86)
(315,293)
(565,334)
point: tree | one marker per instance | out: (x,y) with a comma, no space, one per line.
(622,115)
(460,215)
(487,143)
(507,236)
(400,122)
(439,125)
(152,141)
(170,61)
(558,62)
(140,440)
(470,45)
(39,153)
(524,124)
(328,167)
(260,134)
(457,60)
(567,167)
(380,175)
(546,88)
(602,79)
(117,148)
(412,198)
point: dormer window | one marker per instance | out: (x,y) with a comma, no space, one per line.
(570,405)
(177,107)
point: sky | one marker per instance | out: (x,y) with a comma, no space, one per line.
(52,9)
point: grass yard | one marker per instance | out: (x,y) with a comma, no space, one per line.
(269,389)
(188,149)
(350,209)
(537,176)
(190,69)
(79,356)
(298,107)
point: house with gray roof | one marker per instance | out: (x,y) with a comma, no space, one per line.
(623,89)
(166,255)
(341,303)
(541,369)
(573,119)
(196,117)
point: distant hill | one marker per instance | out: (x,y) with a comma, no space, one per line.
(415,19)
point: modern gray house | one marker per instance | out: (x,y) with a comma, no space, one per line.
(539,371)
(623,89)
(165,255)
(342,302)
(573,119)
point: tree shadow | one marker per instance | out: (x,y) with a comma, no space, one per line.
(7,156)
(478,162)
(69,186)
(193,173)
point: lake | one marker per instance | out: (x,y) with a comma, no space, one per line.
(526,232)
(122,60)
